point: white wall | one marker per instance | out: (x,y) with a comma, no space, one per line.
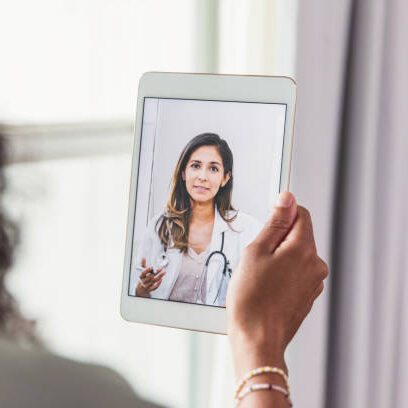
(64,60)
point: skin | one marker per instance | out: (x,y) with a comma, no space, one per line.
(204,175)
(272,290)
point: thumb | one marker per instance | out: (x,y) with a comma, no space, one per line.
(279,222)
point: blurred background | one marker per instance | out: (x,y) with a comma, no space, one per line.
(68,87)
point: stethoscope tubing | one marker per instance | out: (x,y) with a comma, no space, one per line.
(220,252)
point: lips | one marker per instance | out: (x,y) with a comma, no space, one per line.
(201,188)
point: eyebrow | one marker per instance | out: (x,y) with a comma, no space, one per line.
(213,162)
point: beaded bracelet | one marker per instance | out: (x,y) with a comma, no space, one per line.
(262,370)
(257,387)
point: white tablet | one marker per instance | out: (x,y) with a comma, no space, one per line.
(211,154)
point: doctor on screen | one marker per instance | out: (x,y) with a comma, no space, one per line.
(188,253)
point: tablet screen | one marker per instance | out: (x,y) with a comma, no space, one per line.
(208,173)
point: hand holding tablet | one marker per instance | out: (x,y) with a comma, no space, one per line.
(271,292)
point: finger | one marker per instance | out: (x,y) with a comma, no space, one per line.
(149,286)
(302,229)
(159,276)
(151,272)
(145,285)
(147,279)
(144,262)
(318,291)
(156,285)
(324,269)
(279,222)
(146,272)
(149,283)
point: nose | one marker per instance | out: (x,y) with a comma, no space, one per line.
(202,175)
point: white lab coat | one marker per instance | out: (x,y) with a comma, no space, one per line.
(238,234)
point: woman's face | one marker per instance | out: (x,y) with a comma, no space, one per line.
(204,174)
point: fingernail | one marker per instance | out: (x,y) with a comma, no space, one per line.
(285,200)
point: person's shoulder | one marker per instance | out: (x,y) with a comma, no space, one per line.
(24,371)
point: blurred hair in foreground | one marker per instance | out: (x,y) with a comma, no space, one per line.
(12,323)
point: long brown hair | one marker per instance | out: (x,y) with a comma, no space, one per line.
(174,223)
(12,323)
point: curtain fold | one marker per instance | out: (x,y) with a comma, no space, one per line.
(352,77)
(368,331)
(321,51)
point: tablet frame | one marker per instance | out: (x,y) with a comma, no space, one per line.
(212,87)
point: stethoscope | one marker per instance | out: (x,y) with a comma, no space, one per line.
(163,261)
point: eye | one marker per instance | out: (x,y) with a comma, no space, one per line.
(195,165)
(214,169)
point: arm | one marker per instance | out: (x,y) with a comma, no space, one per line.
(271,292)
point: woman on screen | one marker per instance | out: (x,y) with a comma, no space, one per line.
(189,252)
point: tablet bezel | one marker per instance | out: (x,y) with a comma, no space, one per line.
(232,88)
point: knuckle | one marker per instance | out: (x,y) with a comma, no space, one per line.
(305,214)
(322,269)
(325,270)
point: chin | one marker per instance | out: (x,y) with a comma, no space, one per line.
(201,198)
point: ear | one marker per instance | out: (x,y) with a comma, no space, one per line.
(183,175)
(226,179)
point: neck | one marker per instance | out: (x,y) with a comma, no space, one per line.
(202,213)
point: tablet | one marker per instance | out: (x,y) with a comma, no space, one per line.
(211,154)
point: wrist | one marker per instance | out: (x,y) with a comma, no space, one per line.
(251,352)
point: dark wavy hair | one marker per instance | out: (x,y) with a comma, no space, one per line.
(12,323)
(174,224)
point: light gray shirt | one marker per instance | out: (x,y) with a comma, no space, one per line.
(191,282)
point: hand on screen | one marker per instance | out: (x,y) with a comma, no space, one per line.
(148,280)
(273,288)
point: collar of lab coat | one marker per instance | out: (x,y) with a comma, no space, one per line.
(220,225)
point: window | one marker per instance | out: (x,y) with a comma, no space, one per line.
(69,83)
